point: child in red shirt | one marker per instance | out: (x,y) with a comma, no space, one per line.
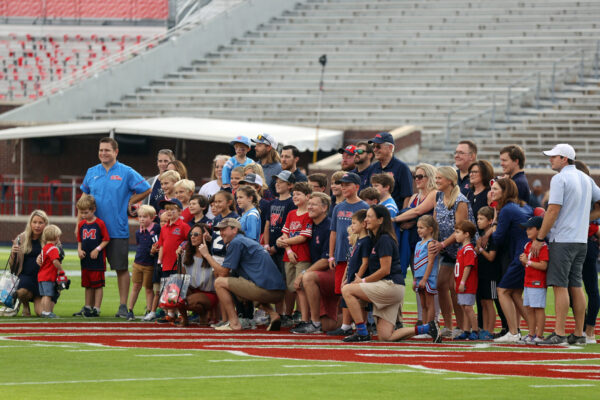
(465,277)
(49,269)
(296,233)
(172,237)
(534,293)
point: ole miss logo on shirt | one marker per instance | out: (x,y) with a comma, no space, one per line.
(88,234)
(176,231)
(344,214)
(115,178)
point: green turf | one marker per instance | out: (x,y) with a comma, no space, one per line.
(60,371)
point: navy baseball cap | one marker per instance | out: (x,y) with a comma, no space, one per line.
(533,222)
(350,177)
(383,137)
(164,202)
(242,140)
(286,176)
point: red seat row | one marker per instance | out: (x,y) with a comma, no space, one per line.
(86,9)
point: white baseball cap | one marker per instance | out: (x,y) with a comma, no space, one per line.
(562,149)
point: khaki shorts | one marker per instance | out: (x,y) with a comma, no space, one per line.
(292,271)
(247,290)
(142,274)
(387,298)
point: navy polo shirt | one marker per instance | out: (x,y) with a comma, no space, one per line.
(403,185)
(365,177)
(145,238)
(464,183)
(522,185)
(319,242)
(112,190)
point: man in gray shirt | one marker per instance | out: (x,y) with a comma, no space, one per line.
(566,224)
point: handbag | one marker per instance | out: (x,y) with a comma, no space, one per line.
(174,288)
(8,287)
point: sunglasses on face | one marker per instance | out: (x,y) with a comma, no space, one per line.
(338,182)
(418,177)
(360,151)
(194,234)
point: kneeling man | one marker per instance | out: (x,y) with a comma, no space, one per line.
(258,279)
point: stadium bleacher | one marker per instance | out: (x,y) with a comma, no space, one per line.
(390,63)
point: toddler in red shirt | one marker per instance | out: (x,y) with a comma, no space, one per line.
(49,269)
(465,277)
(534,292)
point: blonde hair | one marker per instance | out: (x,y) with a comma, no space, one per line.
(218,157)
(147,210)
(27,235)
(258,170)
(170,175)
(430,172)
(325,199)
(450,174)
(51,234)
(187,184)
(337,175)
(86,202)
(352,237)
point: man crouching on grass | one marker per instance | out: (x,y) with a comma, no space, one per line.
(258,278)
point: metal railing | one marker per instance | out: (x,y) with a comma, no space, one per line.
(532,85)
(20,198)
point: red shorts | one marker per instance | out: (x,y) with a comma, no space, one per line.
(329,300)
(211,296)
(92,279)
(340,269)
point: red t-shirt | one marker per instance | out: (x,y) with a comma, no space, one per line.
(186,215)
(466,256)
(298,225)
(48,271)
(535,278)
(171,236)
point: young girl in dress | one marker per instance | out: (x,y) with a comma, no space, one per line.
(426,265)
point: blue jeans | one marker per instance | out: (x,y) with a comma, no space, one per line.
(590,281)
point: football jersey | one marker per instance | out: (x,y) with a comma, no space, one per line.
(90,235)
(48,271)
(535,278)
(298,225)
(466,256)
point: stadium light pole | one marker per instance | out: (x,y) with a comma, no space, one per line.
(323,62)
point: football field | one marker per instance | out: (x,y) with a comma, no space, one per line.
(109,358)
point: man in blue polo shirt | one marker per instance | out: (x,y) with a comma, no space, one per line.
(258,278)
(115,187)
(383,147)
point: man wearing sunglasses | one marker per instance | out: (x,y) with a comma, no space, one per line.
(267,156)
(383,147)
(363,157)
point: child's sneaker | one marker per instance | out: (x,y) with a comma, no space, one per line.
(485,335)
(537,339)
(88,312)
(474,335)
(462,336)
(529,339)
(49,315)
(151,316)
(80,312)
(160,313)
(130,316)
(590,339)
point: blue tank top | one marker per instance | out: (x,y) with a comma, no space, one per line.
(421,259)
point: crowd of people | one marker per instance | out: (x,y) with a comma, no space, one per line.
(266,244)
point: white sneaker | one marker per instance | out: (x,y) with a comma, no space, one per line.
(149,317)
(508,338)
(456,332)
(590,340)
(447,333)
(423,336)
(538,339)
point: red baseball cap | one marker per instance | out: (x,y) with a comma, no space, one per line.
(350,149)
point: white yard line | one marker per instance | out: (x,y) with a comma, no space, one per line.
(559,386)
(482,378)
(201,377)
(165,355)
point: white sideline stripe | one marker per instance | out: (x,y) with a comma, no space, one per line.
(184,378)
(577,370)
(165,355)
(87,350)
(231,360)
(314,366)
(482,378)
(557,386)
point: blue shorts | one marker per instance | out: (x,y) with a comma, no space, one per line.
(534,297)
(514,277)
(47,288)
(466,299)
(430,286)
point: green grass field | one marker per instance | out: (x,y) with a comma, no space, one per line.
(56,366)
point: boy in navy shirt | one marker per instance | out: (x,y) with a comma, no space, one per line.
(143,265)
(92,238)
